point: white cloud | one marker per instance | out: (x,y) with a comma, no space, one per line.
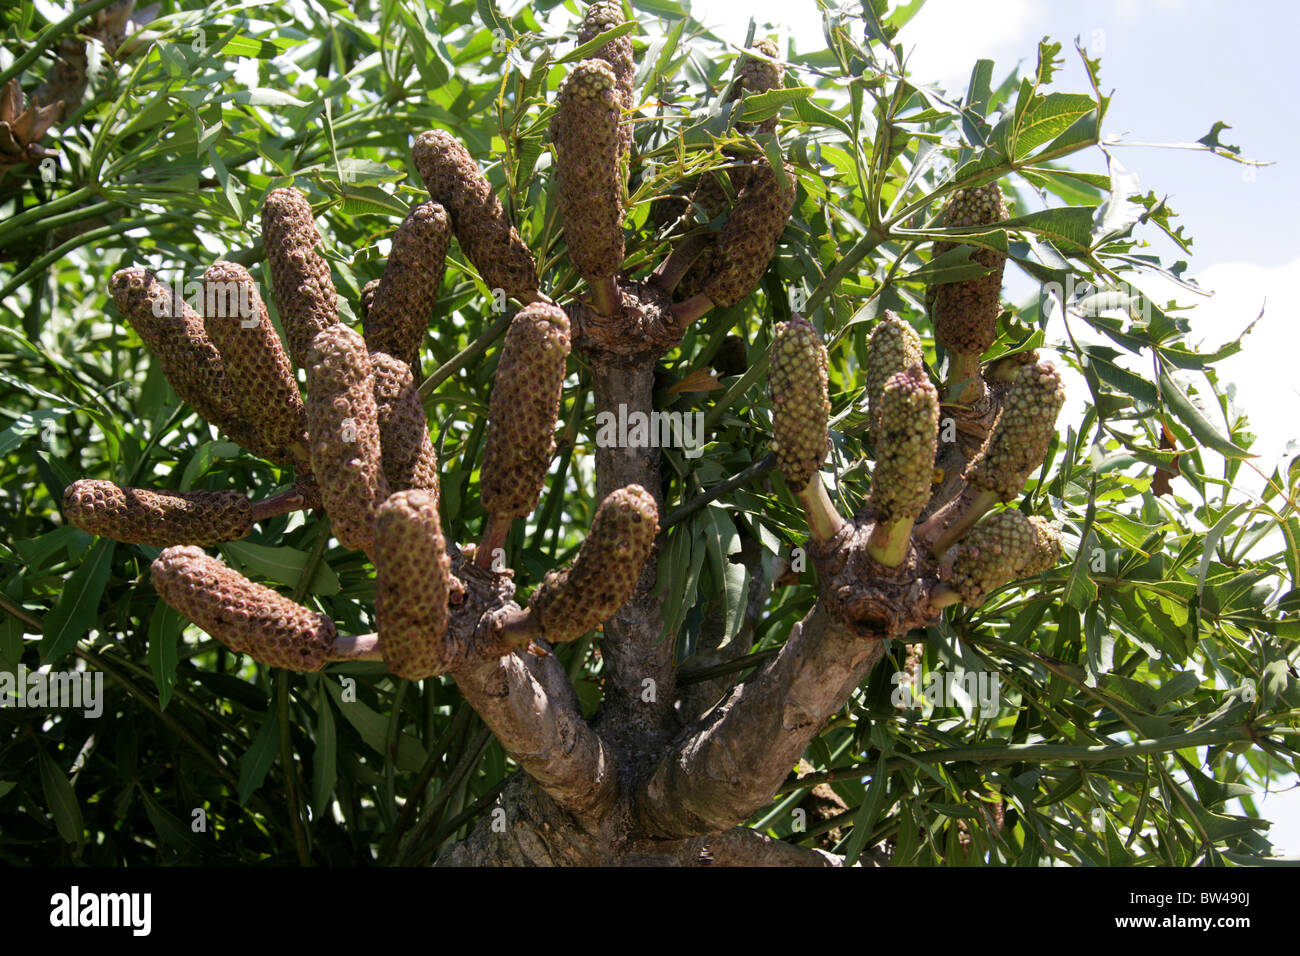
(947,37)
(1268,389)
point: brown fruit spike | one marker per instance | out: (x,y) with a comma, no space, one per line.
(965,314)
(344,425)
(745,245)
(585,133)
(409,458)
(174,333)
(754,75)
(491,243)
(999,549)
(262,383)
(521,412)
(1022,433)
(908,436)
(397,317)
(797,380)
(600,18)
(304,290)
(412,584)
(247,617)
(157,518)
(572,602)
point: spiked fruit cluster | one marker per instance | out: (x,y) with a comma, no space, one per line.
(571,602)
(905,523)
(522,410)
(1001,548)
(358,442)
(245,616)
(798,384)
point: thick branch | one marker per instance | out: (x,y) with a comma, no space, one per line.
(530,706)
(640,673)
(735,760)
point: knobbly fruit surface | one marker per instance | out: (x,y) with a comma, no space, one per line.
(965,314)
(756,75)
(601,18)
(999,549)
(489,240)
(400,306)
(174,333)
(798,383)
(261,380)
(521,411)
(157,518)
(408,454)
(412,584)
(247,617)
(1022,434)
(344,425)
(905,446)
(571,602)
(747,241)
(894,347)
(585,131)
(304,289)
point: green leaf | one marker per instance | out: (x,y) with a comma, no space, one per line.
(761,106)
(61,800)
(373,729)
(261,97)
(1069,227)
(1200,426)
(1048,118)
(165,627)
(864,821)
(170,830)
(325,758)
(259,756)
(952,266)
(77,609)
(723,541)
(283,565)
(595,43)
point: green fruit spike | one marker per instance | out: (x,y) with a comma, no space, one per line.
(408,454)
(585,131)
(304,289)
(893,347)
(798,382)
(412,585)
(604,576)
(1022,433)
(1001,548)
(965,314)
(398,309)
(247,617)
(479,220)
(157,518)
(522,410)
(344,424)
(905,449)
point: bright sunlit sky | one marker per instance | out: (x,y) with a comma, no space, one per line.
(1175,67)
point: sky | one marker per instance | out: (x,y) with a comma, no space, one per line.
(1175,68)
